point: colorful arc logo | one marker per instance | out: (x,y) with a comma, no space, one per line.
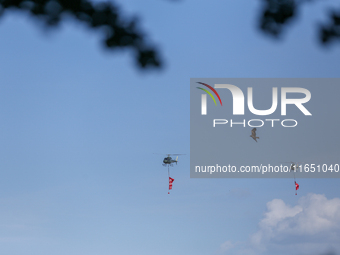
(208,92)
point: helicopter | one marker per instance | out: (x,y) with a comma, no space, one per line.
(295,166)
(168,160)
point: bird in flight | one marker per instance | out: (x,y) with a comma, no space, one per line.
(253,134)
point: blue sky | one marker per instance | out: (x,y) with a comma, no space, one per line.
(80,124)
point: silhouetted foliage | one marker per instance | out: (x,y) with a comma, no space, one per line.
(120,33)
(277,14)
(332,30)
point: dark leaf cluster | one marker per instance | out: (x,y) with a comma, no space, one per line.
(332,30)
(119,33)
(277,14)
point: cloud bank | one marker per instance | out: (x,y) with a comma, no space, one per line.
(311,227)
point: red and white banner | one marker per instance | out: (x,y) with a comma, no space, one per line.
(170,183)
(296,187)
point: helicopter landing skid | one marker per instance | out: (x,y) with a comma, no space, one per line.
(168,165)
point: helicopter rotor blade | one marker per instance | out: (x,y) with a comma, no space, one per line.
(168,154)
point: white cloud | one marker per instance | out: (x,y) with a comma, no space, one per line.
(226,246)
(310,227)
